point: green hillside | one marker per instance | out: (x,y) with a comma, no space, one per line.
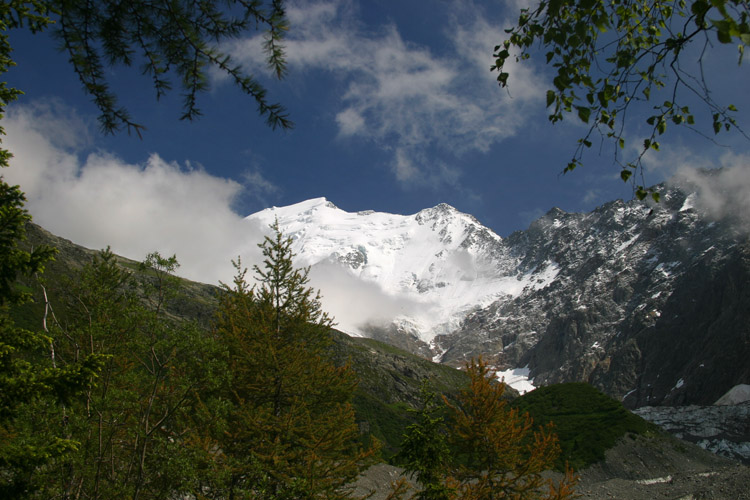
(587,421)
(389,377)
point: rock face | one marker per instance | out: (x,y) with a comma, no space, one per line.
(724,430)
(652,305)
(649,303)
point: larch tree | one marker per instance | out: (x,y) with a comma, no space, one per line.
(500,455)
(424,449)
(175,43)
(289,429)
(494,451)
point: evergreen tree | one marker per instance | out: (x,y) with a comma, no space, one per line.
(289,431)
(499,453)
(28,370)
(167,39)
(424,450)
(126,433)
(132,426)
(494,451)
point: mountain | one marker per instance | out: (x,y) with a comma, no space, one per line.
(648,302)
(425,272)
(390,383)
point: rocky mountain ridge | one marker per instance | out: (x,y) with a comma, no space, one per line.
(651,304)
(648,302)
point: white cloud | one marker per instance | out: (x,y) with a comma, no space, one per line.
(255,185)
(356,303)
(100,200)
(420,105)
(592,195)
(722,193)
(350,122)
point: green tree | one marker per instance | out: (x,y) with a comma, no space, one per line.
(610,54)
(167,39)
(289,430)
(175,36)
(495,453)
(28,368)
(424,449)
(133,425)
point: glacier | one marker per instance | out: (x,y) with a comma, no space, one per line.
(424,272)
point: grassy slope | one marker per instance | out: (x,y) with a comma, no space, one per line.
(587,421)
(389,385)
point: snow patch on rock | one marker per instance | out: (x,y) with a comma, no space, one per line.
(517,378)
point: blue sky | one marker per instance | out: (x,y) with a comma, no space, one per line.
(395,110)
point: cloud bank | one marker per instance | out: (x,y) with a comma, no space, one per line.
(98,200)
(355,303)
(722,193)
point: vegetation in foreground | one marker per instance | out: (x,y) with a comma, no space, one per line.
(259,405)
(479,447)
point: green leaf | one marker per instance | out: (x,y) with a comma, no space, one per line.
(723,36)
(699,8)
(550,97)
(625,175)
(583,113)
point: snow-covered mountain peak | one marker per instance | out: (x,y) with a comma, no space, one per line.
(439,262)
(639,299)
(296,211)
(439,212)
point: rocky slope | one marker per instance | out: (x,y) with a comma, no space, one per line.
(650,303)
